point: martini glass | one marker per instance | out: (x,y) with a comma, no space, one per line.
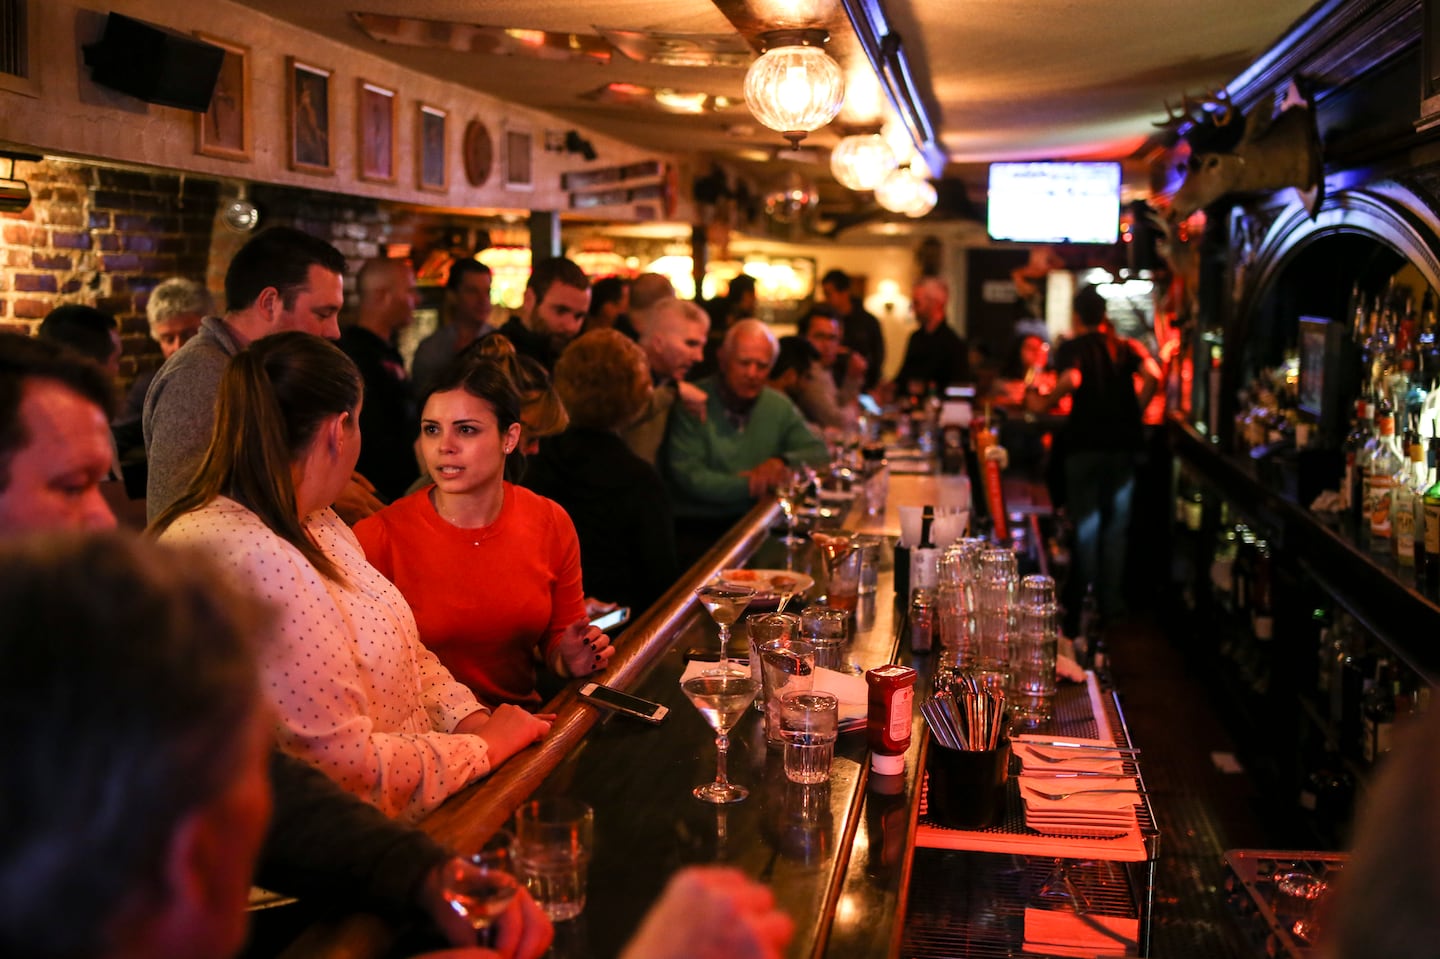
(480,887)
(722,696)
(834,547)
(725,603)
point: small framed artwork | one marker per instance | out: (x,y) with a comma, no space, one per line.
(519,163)
(376,123)
(430,169)
(310,108)
(224,129)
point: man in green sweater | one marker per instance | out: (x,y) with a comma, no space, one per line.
(719,466)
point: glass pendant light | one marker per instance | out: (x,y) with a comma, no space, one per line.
(862,161)
(795,87)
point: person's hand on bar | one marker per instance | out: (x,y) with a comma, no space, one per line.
(712,912)
(522,932)
(583,650)
(766,476)
(507,730)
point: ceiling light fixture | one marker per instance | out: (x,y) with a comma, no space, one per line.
(240,214)
(862,161)
(905,192)
(795,87)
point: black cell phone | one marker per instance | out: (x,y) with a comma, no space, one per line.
(616,617)
(613,699)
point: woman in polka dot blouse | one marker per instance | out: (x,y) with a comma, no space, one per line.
(354,690)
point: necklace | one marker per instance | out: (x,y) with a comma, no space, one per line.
(455,524)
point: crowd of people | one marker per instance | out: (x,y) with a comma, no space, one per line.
(357,579)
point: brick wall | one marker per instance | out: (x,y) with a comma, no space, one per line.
(104,237)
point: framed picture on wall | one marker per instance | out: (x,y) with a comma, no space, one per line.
(519,164)
(224,129)
(376,123)
(310,110)
(430,168)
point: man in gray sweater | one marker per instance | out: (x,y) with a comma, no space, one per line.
(280,280)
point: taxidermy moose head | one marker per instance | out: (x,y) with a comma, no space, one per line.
(1231,153)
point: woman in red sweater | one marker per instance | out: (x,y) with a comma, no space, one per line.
(491,570)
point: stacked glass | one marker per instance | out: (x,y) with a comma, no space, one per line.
(995,611)
(955,611)
(1032,654)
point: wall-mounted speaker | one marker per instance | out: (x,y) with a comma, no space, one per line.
(154,63)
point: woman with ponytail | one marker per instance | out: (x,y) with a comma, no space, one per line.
(491,569)
(354,691)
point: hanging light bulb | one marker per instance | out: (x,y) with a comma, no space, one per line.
(904,192)
(240,214)
(860,162)
(795,87)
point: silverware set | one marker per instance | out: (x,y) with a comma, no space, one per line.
(966,716)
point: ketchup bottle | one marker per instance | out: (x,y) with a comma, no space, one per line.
(892,696)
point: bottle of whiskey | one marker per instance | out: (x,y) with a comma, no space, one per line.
(1351,488)
(1431,507)
(1380,469)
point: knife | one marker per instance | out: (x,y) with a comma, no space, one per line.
(1064,744)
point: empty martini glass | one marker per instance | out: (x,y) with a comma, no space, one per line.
(722,696)
(725,603)
(834,547)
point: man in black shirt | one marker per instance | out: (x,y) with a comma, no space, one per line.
(936,356)
(859,329)
(557,299)
(1100,442)
(389,420)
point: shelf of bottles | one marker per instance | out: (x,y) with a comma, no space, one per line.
(1317,693)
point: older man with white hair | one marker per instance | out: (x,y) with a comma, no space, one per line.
(751,433)
(174,311)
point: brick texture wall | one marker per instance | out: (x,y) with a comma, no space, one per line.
(104,237)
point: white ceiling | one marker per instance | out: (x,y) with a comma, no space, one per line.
(1005,79)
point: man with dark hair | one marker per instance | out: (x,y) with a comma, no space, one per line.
(861,329)
(1101,440)
(609,301)
(828,395)
(92,333)
(280,280)
(557,297)
(467,290)
(389,420)
(794,363)
(54,438)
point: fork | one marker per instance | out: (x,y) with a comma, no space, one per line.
(1077,792)
(1096,757)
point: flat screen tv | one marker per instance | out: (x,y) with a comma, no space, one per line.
(1054,202)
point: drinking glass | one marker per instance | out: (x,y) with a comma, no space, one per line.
(788,665)
(835,547)
(481,886)
(995,609)
(809,723)
(1032,653)
(725,603)
(553,838)
(789,492)
(826,628)
(721,696)
(768,628)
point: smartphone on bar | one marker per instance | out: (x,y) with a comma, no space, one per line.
(618,616)
(612,699)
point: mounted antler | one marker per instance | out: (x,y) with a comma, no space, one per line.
(1173,120)
(1195,111)
(1220,99)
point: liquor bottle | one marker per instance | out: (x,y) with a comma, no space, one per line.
(1351,491)
(1262,593)
(1380,469)
(1431,508)
(1324,625)
(1428,342)
(1403,498)
(1342,647)
(1379,712)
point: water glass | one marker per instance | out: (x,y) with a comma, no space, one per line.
(955,615)
(809,723)
(553,838)
(995,610)
(826,628)
(767,628)
(869,549)
(1032,654)
(787,665)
